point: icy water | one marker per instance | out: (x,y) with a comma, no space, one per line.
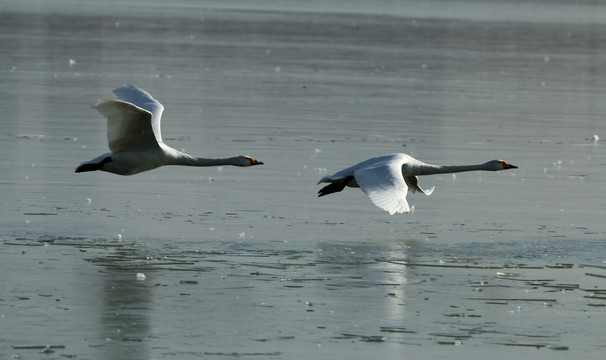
(220,263)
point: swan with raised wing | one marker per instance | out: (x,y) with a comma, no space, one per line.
(135,140)
(387,179)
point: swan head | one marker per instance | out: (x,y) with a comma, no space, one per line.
(246,161)
(497,165)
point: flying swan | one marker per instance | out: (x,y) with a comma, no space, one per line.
(386,179)
(135,140)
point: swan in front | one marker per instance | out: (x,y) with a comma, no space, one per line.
(387,179)
(135,140)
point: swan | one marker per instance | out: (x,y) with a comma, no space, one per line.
(135,140)
(386,179)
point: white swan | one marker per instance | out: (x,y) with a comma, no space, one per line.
(135,140)
(386,179)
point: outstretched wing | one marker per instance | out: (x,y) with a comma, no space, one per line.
(384,185)
(413,185)
(142,99)
(129,128)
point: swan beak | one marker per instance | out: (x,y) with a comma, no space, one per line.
(254,162)
(507,165)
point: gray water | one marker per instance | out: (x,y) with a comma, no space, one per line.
(248,262)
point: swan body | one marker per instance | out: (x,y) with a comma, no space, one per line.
(135,139)
(387,179)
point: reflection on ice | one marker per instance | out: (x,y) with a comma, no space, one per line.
(411,296)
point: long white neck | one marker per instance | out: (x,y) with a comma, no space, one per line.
(188,160)
(428,169)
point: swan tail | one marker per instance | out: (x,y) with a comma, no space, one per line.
(324,179)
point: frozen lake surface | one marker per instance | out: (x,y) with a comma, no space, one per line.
(220,263)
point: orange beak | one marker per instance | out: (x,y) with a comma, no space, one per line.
(254,162)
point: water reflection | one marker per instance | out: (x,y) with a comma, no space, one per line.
(126,305)
(351,267)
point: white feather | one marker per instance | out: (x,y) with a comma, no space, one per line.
(387,179)
(135,139)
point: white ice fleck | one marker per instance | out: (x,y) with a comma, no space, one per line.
(141,277)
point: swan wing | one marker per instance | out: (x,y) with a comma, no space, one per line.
(413,185)
(142,99)
(384,185)
(129,128)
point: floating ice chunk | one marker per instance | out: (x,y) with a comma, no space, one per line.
(141,277)
(47,350)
